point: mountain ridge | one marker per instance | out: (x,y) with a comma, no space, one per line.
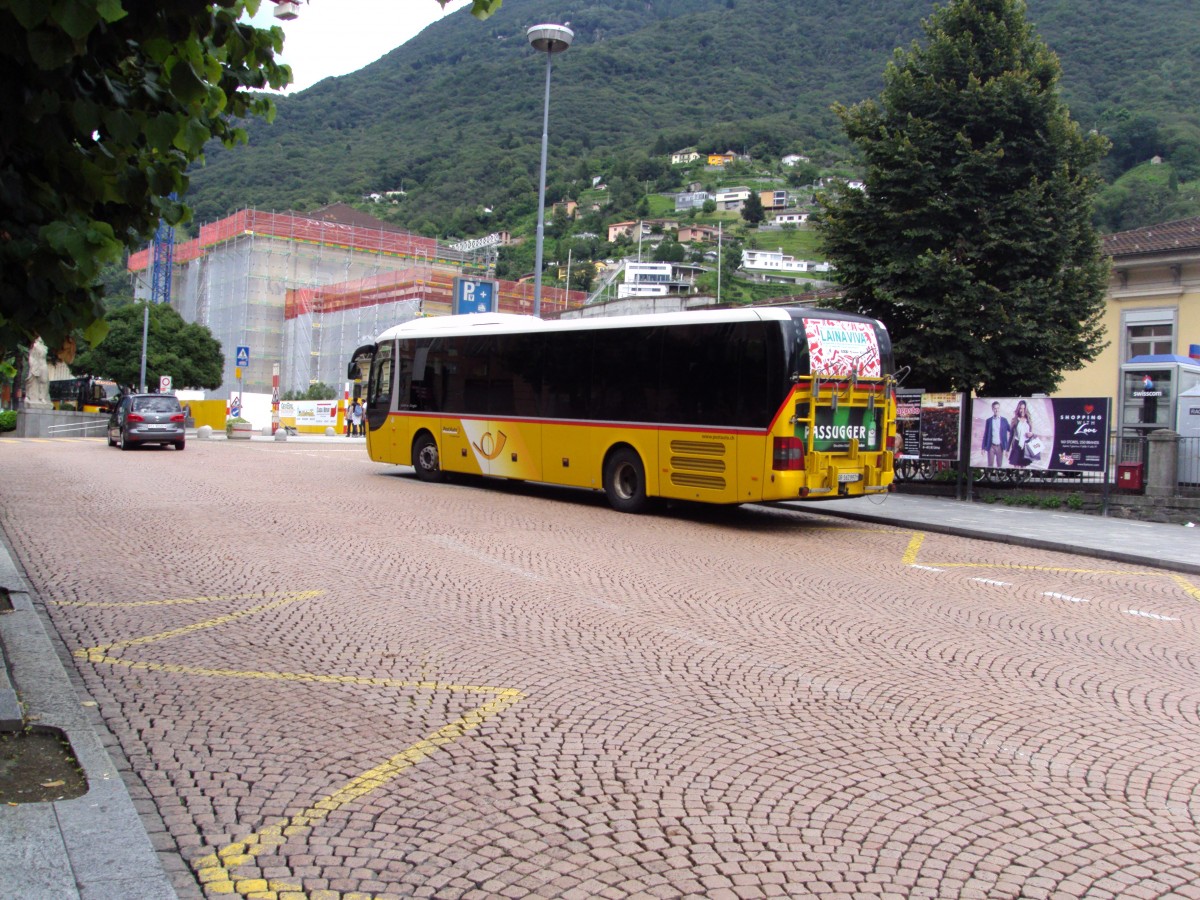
(454,115)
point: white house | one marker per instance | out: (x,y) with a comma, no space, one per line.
(731,198)
(658,279)
(681,157)
(792,218)
(776,261)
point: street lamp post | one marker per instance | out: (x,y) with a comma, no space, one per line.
(549,39)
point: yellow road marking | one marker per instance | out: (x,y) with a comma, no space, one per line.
(180,600)
(918,538)
(92,653)
(215,870)
(914,547)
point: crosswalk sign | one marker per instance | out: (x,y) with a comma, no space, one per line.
(243,357)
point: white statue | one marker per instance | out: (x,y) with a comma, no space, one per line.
(37,378)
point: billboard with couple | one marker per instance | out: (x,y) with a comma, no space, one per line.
(1040,433)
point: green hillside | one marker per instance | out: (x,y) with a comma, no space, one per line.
(454,116)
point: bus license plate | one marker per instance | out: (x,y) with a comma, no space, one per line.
(845,477)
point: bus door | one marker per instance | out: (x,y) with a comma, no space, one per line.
(511,446)
(445,382)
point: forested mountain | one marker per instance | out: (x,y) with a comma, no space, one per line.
(454,116)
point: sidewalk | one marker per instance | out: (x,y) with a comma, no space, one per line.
(1175,547)
(94,847)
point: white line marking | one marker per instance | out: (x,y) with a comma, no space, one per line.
(1150,615)
(925,568)
(1067,597)
(993,581)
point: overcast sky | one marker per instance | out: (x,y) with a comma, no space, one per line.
(335,37)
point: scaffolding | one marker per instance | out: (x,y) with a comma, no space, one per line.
(305,292)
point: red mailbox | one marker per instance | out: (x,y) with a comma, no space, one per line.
(1129,476)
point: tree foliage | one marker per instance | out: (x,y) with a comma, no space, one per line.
(973,240)
(103,105)
(752,210)
(187,352)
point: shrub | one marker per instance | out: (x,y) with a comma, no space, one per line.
(8,420)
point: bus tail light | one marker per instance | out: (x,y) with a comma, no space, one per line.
(788,454)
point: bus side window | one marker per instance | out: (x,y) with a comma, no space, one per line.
(379,387)
(424,378)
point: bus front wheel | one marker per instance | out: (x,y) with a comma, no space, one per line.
(425,459)
(625,481)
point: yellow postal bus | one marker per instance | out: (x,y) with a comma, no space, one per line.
(722,406)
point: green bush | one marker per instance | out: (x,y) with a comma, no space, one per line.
(8,420)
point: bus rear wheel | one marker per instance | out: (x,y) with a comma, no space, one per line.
(425,459)
(625,481)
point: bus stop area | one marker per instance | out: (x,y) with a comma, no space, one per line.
(103,845)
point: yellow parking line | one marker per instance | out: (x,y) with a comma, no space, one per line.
(180,600)
(914,547)
(918,538)
(94,654)
(215,870)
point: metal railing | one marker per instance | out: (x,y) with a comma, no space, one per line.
(62,430)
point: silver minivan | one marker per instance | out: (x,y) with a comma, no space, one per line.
(147,419)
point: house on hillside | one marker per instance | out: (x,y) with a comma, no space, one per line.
(658,279)
(792,158)
(685,200)
(682,157)
(790,218)
(777,261)
(732,198)
(569,208)
(698,234)
(721,159)
(641,230)
(773,199)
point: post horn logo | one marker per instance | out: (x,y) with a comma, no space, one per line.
(485,446)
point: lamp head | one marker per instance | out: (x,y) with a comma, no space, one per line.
(550,38)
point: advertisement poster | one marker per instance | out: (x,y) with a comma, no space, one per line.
(839,347)
(940,416)
(1068,434)
(908,421)
(309,412)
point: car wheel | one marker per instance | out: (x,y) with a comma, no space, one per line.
(179,445)
(111,442)
(123,441)
(425,458)
(625,481)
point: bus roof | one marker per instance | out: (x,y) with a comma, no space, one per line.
(509,323)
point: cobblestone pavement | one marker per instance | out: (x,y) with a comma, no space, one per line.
(334,681)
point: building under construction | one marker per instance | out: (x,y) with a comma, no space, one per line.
(304,290)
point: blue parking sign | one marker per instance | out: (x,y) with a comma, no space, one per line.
(474,296)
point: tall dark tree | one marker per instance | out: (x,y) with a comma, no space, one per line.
(752,210)
(973,241)
(186,351)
